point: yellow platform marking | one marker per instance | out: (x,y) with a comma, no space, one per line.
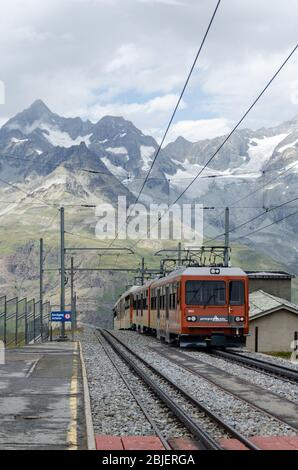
(72,435)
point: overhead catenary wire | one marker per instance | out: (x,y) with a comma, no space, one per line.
(175,109)
(253,219)
(232,131)
(179,100)
(264,185)
(239,122)
(266,226)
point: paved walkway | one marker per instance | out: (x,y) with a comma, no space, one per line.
(41,398)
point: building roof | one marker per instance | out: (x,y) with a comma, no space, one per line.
(269,275)
(261,303)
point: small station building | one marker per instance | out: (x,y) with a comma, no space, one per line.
(273,323)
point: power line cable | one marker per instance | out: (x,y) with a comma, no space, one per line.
(253,219)
(233,130)
(264,186)
(175,110)
(179,100)
(266,226)
(239,122)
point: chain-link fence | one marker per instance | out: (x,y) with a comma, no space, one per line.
(23,321)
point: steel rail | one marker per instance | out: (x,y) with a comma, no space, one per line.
(207,442)
(232,431)
(135,396)
(254,363)
(230,392)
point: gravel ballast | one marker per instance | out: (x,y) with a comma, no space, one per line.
(116,412)
(237,413)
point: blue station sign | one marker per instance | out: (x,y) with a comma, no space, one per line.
(61,316)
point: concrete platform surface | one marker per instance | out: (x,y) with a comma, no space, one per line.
(42,399)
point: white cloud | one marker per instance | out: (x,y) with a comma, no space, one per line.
(165,2)
(199,129)
(126,56)
(156,110)
(117,56)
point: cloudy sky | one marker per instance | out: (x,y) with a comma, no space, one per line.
(130,57)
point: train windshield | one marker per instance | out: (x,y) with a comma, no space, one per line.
(205,293)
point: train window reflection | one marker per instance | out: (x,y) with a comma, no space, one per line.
(205,293)
(236,289)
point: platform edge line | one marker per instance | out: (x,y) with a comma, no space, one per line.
(87,404)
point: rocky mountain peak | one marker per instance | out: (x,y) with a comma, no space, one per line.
(26,119)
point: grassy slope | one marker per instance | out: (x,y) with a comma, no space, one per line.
(96,291)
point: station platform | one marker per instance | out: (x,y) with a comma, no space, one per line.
(43,398)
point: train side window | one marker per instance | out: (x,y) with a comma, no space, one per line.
(158,303)
(236,292)
(178,294)
(167,302)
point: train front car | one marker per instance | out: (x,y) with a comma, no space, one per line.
(214,307)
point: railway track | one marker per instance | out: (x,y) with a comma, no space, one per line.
(269,368)
(162,386)
(274,406)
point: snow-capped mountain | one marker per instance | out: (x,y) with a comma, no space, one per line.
(46,155)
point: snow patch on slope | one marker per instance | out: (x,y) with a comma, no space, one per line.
(117,171)
(63,139)
(146,155)
(18,141)
(117,150)
(260,151)
(285,147)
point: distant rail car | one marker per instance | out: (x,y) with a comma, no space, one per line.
(203,306)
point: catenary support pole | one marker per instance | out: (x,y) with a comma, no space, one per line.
(41,286)
(143,271)
(179,254)
(227,238)
(72,298)
(62,269)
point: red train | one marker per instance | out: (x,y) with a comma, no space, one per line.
(205,306)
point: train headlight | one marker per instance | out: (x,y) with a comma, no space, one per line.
(192,318)
(239,319)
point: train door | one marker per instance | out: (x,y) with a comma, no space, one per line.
(237,315)
(167,314)
(158,314)
(142,313)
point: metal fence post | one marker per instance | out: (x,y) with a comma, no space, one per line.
(256,338)
(5,318)
(17,319)
(34,321)
(41,286)
(26,321)
(75,309)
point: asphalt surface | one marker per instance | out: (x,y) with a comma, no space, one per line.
(41,398)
